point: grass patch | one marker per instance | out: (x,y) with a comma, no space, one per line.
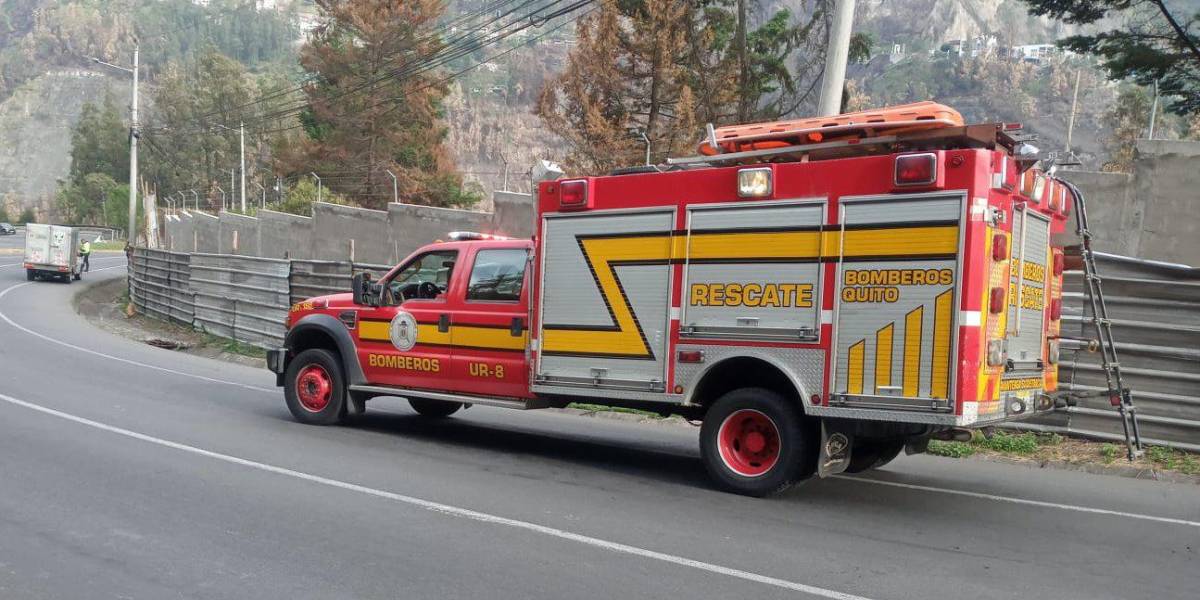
(951,449)
(1008,443)
(619,409)
(1173,460)
(234,346)
(1109,453)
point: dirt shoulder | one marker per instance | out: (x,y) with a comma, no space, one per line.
(104,305)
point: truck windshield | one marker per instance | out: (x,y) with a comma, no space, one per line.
(432,268)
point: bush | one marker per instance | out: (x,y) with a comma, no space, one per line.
(1024,443)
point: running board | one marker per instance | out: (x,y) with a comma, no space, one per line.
(380,390)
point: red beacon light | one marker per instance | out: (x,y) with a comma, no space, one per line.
(916,169)
(573,195)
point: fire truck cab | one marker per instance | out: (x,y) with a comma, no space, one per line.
(822,294)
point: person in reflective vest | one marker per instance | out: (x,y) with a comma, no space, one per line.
(85,251)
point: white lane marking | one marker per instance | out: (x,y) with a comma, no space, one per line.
(1025,501)
(447,509)
(127,361)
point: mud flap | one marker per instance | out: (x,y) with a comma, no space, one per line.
(835,449)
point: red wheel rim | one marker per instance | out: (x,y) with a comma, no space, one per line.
(748,442)
(314,388)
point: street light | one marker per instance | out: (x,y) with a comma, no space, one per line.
(313,173)
(222,197)
(196,197)
(395,197)
(131,235)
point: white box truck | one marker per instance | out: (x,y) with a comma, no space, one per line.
(51,251)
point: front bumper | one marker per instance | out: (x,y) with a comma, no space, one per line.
(277,361)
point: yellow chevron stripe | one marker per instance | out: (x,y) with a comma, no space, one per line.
(854,369)
(913,323)
(883,356)
(940,376)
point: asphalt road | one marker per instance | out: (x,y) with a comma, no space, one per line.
(11,241)
(132,472)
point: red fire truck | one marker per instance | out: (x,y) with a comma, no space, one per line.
(822,294)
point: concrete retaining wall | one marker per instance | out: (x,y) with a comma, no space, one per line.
(412,226)
(207,233)
(284,235)
(348,233)
(1149,213)
(239,235)
(514,214)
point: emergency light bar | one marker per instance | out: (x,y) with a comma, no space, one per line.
(461,236)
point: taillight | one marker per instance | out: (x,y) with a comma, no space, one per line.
(999,247)
(995,354)
(754,183)
(916,169)
(573,195)
(1056,309)
(1059,263)
(996,302)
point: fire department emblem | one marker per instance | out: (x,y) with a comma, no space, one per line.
(403,331)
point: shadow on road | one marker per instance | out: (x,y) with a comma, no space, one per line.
(623,458)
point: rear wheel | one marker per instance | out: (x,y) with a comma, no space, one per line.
(314,388)
(30,275)
(873,455)
(436,409)
(756,442)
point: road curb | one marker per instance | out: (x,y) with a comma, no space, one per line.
(1116,470)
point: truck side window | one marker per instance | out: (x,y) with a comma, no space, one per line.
(426,277)
(497,275)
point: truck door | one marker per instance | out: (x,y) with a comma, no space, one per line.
(604,300)
(896,301)
(1026,336)
(489,327)
(406,342)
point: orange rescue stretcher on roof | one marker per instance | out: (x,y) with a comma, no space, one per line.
(905,118)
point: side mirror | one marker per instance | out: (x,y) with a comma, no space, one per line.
(361,286)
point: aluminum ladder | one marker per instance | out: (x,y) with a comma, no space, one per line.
(1118,395)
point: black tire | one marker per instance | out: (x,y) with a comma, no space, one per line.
(873,455)
(303,397)
(68,278)
(30,275)
(434,409)
(794,455)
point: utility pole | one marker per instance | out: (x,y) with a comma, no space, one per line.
(743,63)
(834,80)
(131,234)
(242,145)
(314,174)
(1074,103)
(233,187)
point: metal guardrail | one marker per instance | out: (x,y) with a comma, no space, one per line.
(1154,308)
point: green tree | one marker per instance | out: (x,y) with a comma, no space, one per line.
(100,142)
(1126,121)
(4,218)
(299,199)
(361,118)
(1151,44)
(27,216)
(82,201)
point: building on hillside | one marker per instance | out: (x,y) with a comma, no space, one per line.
(1033,53)
(980,45)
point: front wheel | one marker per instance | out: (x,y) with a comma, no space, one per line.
(435,409)
(315,388)
(756,442)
